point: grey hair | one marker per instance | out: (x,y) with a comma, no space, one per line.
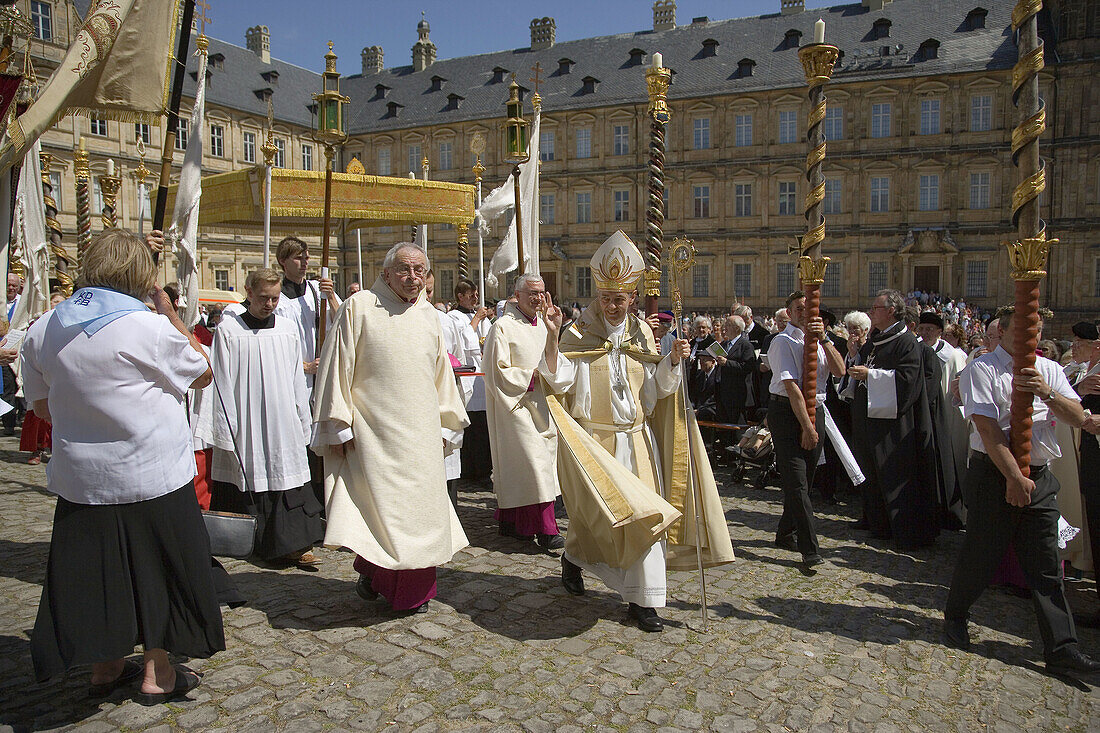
(895,301)
(738,322)
(699,320)
(524,280)
(391,255)
(742,310)
(857,319)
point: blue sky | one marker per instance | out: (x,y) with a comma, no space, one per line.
(299,30)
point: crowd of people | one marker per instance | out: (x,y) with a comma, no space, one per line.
(347,423)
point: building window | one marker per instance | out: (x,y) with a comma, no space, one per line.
(621,199)
(307,157)
(787,193)
(701,200)
(584,208)
(99,127)
(446,289)
(584,142)
(546,208)
(546,145)
(833,125)
(742,281)
(979,190)
(831,287)
(1096,280)
(743,131)
(930,117)
(385,168)
(217,141)
(701,133)
(929,192)
(446,157)
(876,278)
(280,153)
(55,184)
(249,139)
(981,113)
(700,281)
(416,155)
(584,282)
(880,194)
(620,140)
(221,279)
(784,279)
(181,134)
(141,132)
(42,20)
(977,276)
(831,204)
(788,126)
(880,119)
(742,199)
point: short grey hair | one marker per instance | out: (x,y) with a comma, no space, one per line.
(395,250)
(895,301)
(524,280)
(857,319)
(702,320)
(742,310)
(738,323)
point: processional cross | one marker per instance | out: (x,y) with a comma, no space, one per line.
(537,78)
(202,18)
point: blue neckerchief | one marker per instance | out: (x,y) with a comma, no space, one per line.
(94,308)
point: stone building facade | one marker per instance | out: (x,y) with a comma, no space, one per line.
(919,174)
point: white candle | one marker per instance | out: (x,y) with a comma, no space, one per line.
(657,58)
(110,166)
(819,31)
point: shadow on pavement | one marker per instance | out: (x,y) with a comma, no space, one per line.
(25,561)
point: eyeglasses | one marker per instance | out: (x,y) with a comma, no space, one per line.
(404,270)
(883,307)
(532,293)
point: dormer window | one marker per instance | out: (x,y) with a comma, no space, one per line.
(929,50)
(636,56)
(498,75)
(271,77)
(744,68)
(881,28)
(590,83)
(437,83)
(710,48)
(263,94)
(380,91)
(454,101)
(216,60)
(565,65)
(792,38)
(393,109)
(975,19)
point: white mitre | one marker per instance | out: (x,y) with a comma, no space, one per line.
(617,264)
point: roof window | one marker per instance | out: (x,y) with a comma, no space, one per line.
(710,48)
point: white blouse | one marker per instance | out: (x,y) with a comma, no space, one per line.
(120,431)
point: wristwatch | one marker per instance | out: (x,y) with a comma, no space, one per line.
(1050,395)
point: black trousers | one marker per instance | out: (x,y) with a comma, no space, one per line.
(1090,492)
(991,524)
(796,473)
(11,417)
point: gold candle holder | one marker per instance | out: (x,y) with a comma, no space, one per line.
(657,80)
(109,186)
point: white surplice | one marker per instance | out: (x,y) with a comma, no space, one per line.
(468,351)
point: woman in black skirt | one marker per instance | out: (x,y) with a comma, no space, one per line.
(129,557)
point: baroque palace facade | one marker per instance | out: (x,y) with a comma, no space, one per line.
(919,173)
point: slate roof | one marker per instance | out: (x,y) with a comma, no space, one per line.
(620,80)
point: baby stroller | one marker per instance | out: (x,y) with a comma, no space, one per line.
(755,450)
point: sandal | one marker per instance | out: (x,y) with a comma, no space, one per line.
(308,560)
(35,459)
(130,671)
(186,680)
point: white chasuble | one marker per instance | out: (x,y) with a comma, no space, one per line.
(385,383)
(255,409)
(522,437)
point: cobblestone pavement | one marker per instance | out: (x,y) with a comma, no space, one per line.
(505,648)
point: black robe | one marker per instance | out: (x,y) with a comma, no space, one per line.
(950,508)
(735,393)
(897,455)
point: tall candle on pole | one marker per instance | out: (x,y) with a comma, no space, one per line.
(516,128)
(477,147)
(269,150)
(657,79)
(330,130)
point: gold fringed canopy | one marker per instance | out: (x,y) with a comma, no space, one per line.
(235,201)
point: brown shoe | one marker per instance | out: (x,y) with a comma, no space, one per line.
(305,560)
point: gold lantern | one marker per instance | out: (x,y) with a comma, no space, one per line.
(330,122)
(516,127)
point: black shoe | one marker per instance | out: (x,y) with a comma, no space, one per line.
(1071,659)
(956,635)
(363,589)
(786,543)
(1088,620)
(422,608)
(571,577)
(861,524)
(812,560)
(508,529)
(550,541)
(647,618)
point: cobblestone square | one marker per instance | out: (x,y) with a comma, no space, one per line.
(504,647)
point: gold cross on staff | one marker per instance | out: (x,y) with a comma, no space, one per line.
(202,18)
(537,78)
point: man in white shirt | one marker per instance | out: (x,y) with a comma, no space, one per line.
(1006,506)
(796,440)
(471,325)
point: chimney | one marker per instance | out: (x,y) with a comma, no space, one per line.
(875,4)
(257,39)
(372,60)
(664,15)
(423,50)
(790,7)
(543,32)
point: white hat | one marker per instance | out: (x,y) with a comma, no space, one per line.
(617,264)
